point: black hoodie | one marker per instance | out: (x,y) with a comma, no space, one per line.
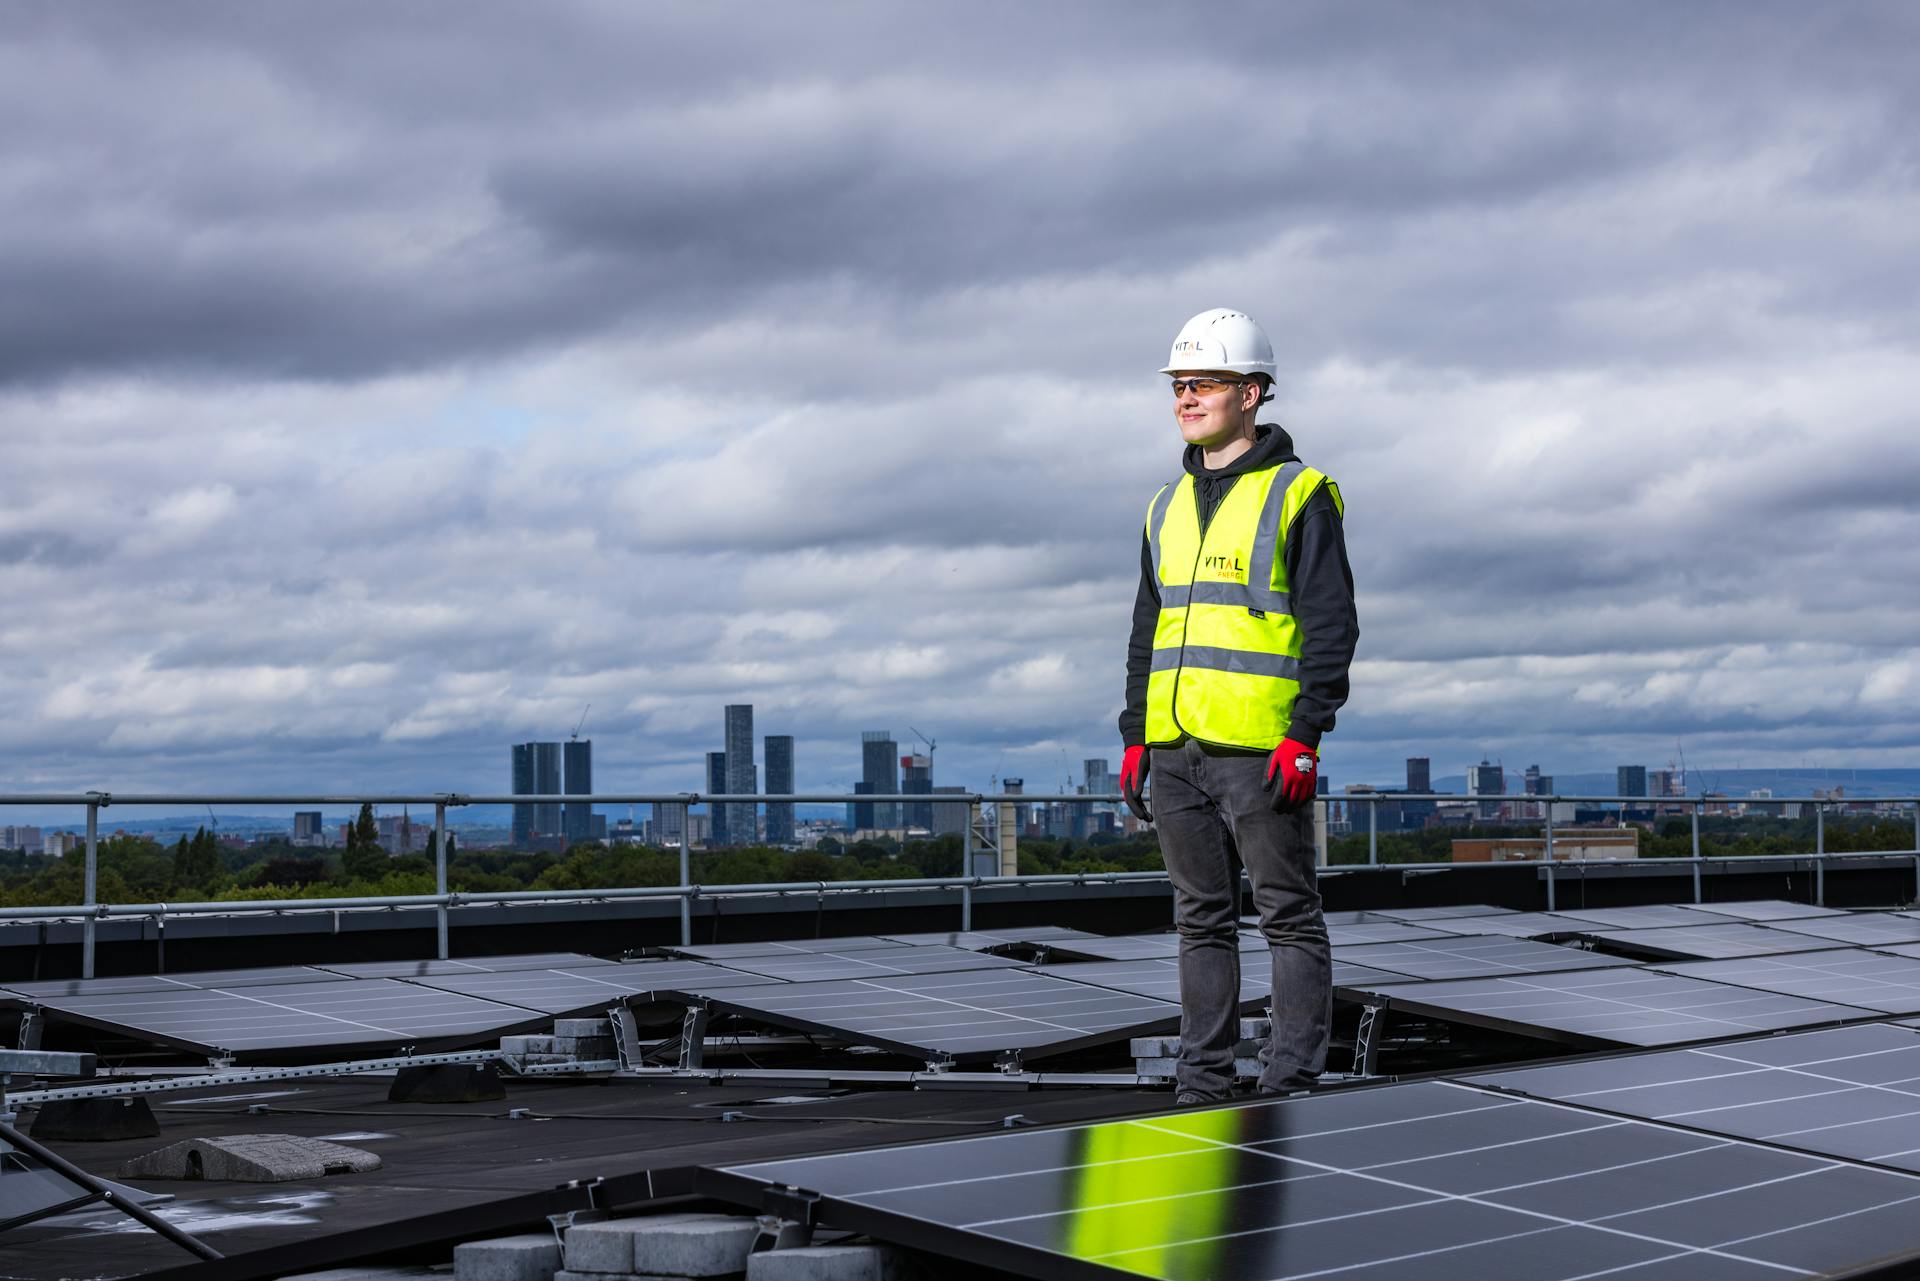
(1319,583)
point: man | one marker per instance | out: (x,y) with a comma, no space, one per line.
(1242,634)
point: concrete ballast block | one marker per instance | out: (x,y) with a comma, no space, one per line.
(526,1045)
(608,1247)
(828,1263)
(694,1248)
(582,1027)
(531,1256)
(368,1274)
(250,1158)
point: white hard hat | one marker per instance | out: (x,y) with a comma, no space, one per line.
(1222,339)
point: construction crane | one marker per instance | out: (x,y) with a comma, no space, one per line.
(581,723)
(930,745)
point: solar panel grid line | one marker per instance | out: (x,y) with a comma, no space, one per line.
(1658,1224)
(1472,956)
(1872,980)
(1680,1249)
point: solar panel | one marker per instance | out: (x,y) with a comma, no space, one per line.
(875,963)
(1862,928)
(590,987)
(1421,914)
(968,1014)
(986,940)
(295,1016)
(1160,977)
(1380,932)
(783,947)
(1734,938)
(1629,1006)
(1134,947)
(1425,1180)
(1850,1092)
(1474,956)
(1767,909)
(1648,917)
(1854,976)
(1519,925)
(467,965)
(189,981)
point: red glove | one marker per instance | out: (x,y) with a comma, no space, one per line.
(1133,777)
(1293,775)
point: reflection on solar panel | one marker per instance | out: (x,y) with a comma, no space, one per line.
(191,981)
(1850,1092)
(592,987)
(875,963)
(348,1012)
(1651,917)
(1160,977)
(1519,925)
(1735,938)
(970,1014)
(985,940)
(470,965)
(1426,1180)
(1422,914)
(1767,909)
(1474,956)
(1631,1006)
(788,947)
(1855,976)
(1380,932)
(1857,927)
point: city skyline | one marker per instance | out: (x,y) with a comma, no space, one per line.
(359,422)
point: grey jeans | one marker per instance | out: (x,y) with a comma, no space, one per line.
(1213,817)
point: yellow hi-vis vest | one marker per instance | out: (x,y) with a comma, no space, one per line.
(1226,650)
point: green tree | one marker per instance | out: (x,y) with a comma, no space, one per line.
(197,869)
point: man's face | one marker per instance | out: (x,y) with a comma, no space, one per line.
(1217,416)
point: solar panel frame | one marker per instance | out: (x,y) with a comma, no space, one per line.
(1846,1093)
(1519,925)
(1767,909)
(1646,916)
(1415,915)
(350,1012)
(1855,976)
(187,981)
(1708,942)
(1159,977)
(464,965)
(1861,929)
(817,967)
(1633,1005)
(777,947)
(961,1015)
(987,940)
(1474,955)
(560,992)
(1381,932)
(1429,1179)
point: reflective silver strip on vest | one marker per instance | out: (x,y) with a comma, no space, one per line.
(1156,517)
(1238,594)
(1244,662)
(1266,543)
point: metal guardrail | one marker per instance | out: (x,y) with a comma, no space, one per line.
(975,841)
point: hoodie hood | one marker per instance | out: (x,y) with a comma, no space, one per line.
(1271,446)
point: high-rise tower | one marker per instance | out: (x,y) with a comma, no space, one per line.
(578,821)
(743,825)
(880,771)
(779,750)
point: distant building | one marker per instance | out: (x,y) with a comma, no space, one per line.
(577,823)
(717,786)
(1660,782)
(399,834)
(742,821)
(1487,779)
(1419,774)
(536,772)
(1630,780)
(879,769)
(669,827)
(28,840)
(860,813)
(949,817)
(916,779)
(626,831)
(1572,844)
(308,828)
(779,752)
(61,844)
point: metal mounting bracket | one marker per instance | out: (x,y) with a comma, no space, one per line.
(787,1217)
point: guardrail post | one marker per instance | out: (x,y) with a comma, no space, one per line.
(1820,830)
(90,893)
(1820,880)
(1696,850)
(686,872)
(966,906)
(1549,885)
(1373,832)
(440,872)
(1549,834)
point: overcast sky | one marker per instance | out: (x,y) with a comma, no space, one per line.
(381,384)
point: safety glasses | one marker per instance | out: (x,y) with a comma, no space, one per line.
(1204,386)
